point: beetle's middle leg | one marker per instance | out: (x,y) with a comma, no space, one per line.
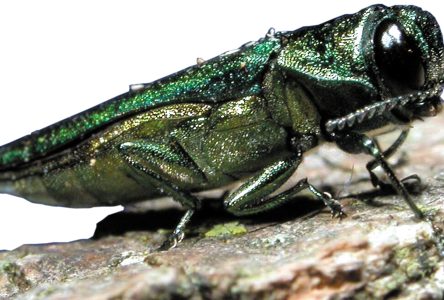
(160,164)
(253,196)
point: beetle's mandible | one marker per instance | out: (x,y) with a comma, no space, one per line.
(248,114)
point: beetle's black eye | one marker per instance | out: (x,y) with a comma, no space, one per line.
(398,58)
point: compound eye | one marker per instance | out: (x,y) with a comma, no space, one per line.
(398,58)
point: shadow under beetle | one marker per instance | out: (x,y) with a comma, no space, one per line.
(248,114)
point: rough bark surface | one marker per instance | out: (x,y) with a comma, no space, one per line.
(379,251)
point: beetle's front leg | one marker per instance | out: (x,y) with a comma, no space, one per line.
(353,142)
(253,196)
(412,182)
(157,162)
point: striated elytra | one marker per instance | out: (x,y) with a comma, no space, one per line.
(248,114)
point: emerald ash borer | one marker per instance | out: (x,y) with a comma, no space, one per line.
(248,114)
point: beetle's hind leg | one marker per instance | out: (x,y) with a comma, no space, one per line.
(160,164)
(254,195)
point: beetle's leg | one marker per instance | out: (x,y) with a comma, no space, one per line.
(359,143)
(371,165)
(157,162)
(253,196)
(391,150)
(412,182)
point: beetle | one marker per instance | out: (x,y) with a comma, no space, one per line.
(247,115)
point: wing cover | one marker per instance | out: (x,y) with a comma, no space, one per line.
(223,78)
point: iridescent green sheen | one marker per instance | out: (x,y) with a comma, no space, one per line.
(249,114)
(229,76)
(331,52)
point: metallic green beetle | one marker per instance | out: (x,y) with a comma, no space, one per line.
(248,114)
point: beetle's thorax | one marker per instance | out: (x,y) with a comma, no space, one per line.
(291,106)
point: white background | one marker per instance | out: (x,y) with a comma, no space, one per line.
(60,57)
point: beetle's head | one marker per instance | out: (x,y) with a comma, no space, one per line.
(404,47)
(409,62)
